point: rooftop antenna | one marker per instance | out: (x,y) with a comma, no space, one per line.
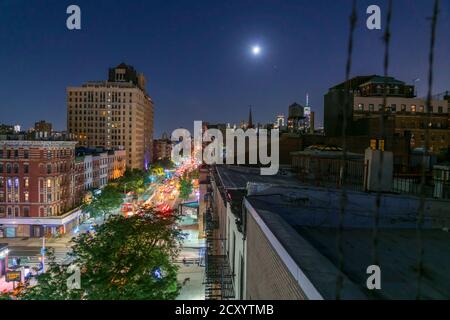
(307,99)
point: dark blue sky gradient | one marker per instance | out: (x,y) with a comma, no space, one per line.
(196,54)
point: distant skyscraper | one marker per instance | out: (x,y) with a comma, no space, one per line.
(114,114)
(307,114)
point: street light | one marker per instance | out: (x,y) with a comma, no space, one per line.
(43,251)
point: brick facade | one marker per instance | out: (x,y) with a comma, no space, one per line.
(267,276)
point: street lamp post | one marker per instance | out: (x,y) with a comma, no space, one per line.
(43,252)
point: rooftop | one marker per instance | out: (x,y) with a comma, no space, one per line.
(305,221)
(237,177)
(325,151)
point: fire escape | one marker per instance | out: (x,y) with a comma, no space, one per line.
(218,276)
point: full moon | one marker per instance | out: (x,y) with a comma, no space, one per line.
(256,50)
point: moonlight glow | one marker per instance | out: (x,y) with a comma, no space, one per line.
(256,50)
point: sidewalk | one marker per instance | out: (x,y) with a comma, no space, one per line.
(5,286)
(62,242)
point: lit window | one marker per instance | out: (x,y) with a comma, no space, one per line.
(413,108)
(49,183)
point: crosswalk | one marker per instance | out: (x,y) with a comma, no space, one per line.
(31,256)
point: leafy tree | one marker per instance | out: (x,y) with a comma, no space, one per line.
(165,163)
(157,170)
(186,187)
(51,285)
(132,180)
(126,258)
(195,174)
(102,204)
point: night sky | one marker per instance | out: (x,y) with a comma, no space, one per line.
(196,55)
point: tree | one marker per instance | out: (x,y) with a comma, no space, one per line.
(102,204)
(195,174)
(132,180)
(186,187)
(126,258)
(165,163)
(51,285)
(157,170)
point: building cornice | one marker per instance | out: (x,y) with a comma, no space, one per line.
(38,143)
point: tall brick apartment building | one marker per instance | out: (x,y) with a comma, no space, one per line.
(36,181)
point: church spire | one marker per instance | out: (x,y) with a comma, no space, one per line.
(250,118)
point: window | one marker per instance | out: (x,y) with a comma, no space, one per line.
(26,168)
(361,107)
(26,196)
(378,89)
(371,109)
(1,167)
(16,168)
(413,108)
(440,109)
(8,168)
(26,182)
(16,154)
(393,108)
(49,169)
(49,183)
(26,212)
(403,107)
(430,109)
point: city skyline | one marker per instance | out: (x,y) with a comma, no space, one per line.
(195,55)
(232,151)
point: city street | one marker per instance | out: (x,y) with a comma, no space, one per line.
(191,268)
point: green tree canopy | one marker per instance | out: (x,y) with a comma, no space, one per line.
(132,180)
(186,187)
(126,258)
(101,205)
